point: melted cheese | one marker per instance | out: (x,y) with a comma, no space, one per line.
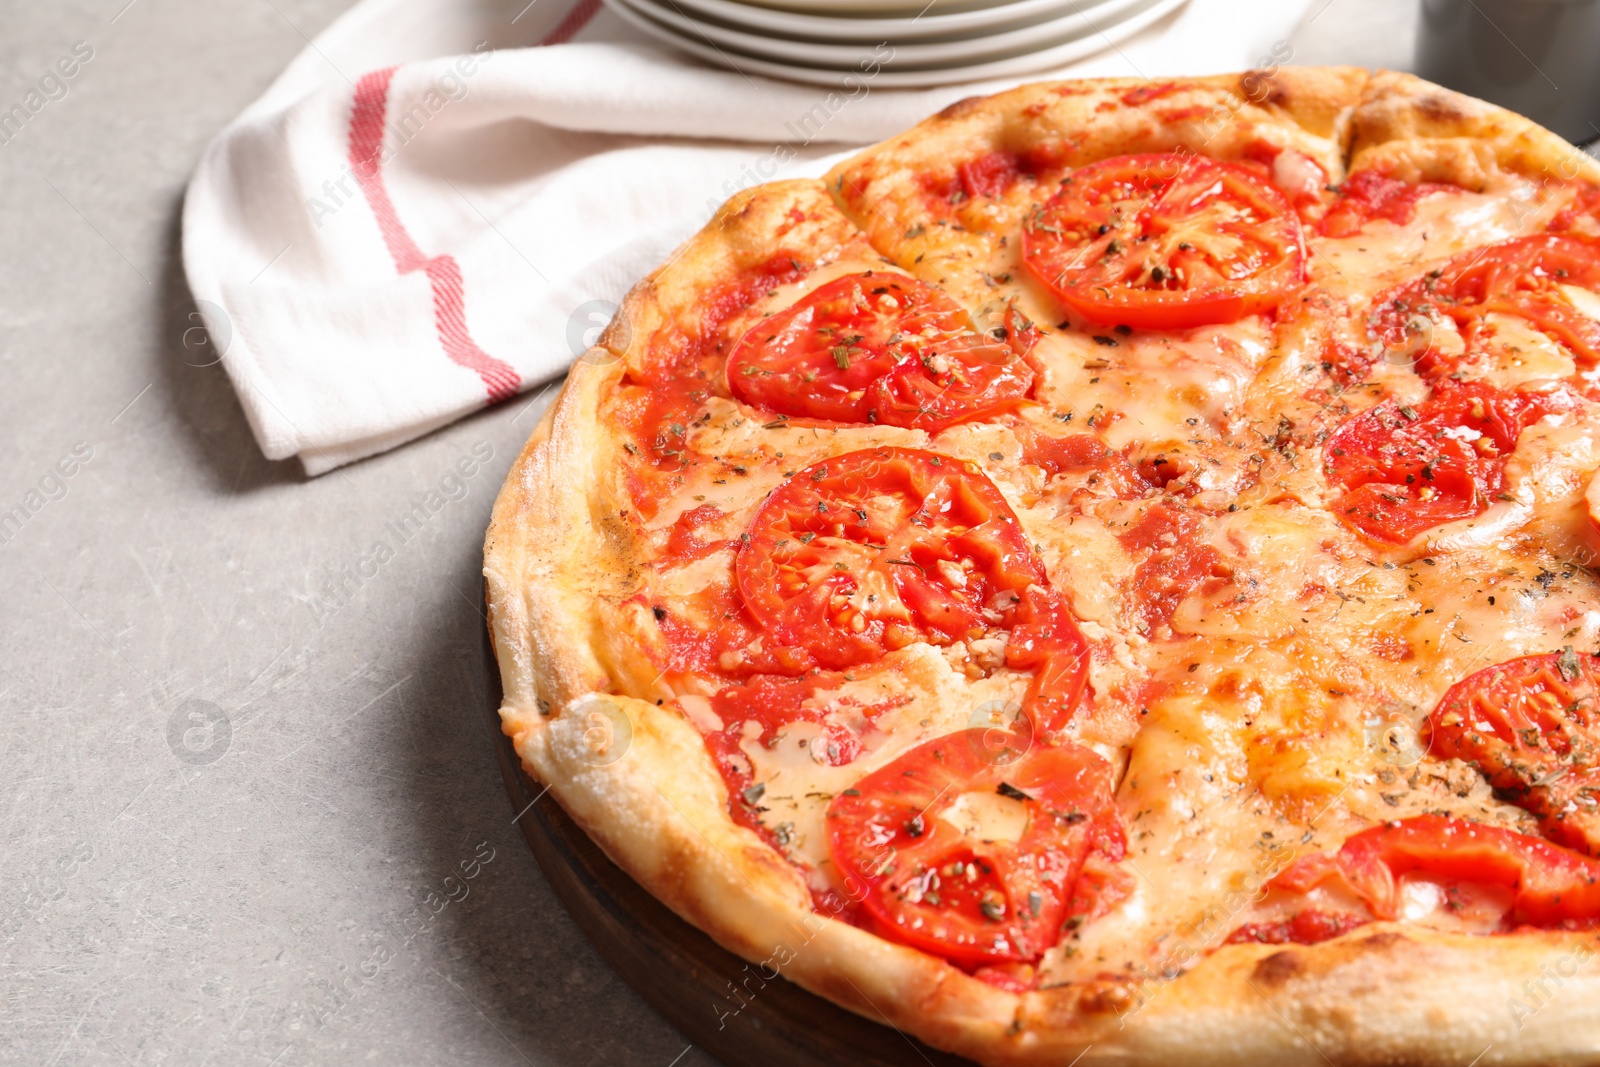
(1203,375)
(1443,225)
(1509,353)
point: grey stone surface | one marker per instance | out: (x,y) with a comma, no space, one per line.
(228,805)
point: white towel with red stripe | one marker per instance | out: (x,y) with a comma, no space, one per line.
(439,202)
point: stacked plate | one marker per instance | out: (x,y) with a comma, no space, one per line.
(891,43)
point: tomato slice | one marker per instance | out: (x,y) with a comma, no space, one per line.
(1553,886)
(1532,725)
(1165,242)
(1406,470)
(969,854)
(1045,639)
(1519,277)
(882,348)
(871,551)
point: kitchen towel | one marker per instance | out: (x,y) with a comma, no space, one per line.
(440,202)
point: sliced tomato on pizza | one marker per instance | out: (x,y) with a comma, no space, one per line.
(880,348)
(1408,469)
(871,551)
(970,851)
(1165,242)
(1549,885)
(1528,278)
(1532,726)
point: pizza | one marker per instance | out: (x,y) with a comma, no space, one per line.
(1104,576)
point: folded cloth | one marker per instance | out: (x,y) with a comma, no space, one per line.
(440,202)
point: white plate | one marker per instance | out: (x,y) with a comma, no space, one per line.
(984,47)
(925,23)
(904,79)
(871,8)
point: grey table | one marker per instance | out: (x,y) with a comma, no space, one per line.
(248,819)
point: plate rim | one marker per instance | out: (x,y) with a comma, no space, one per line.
(1026,63)
(737,15)
(842,8)
(1001,45)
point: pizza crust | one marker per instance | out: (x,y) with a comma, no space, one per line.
(1421,132)
(636,776)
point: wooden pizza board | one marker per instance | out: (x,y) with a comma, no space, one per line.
(722,1004)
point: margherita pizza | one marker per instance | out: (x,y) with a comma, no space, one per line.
(1105,576)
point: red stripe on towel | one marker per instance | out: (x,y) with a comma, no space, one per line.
(444,274)
(576,20)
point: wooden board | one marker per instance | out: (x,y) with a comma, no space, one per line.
(721,1003)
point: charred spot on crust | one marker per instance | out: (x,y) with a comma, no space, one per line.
(1262,89)
(1279,969)
(1383,939)
(1442,108)
(1282,967)
(965,106)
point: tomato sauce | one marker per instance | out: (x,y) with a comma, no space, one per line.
(1143,94)
(1174,566)
(684,544)
(729,645)
(993,174)
(773,704)
(658,399)
(1083,454)
(1307,927)
(1367,195)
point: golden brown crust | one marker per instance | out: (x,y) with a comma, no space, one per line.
(637,776)
(1419,131)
